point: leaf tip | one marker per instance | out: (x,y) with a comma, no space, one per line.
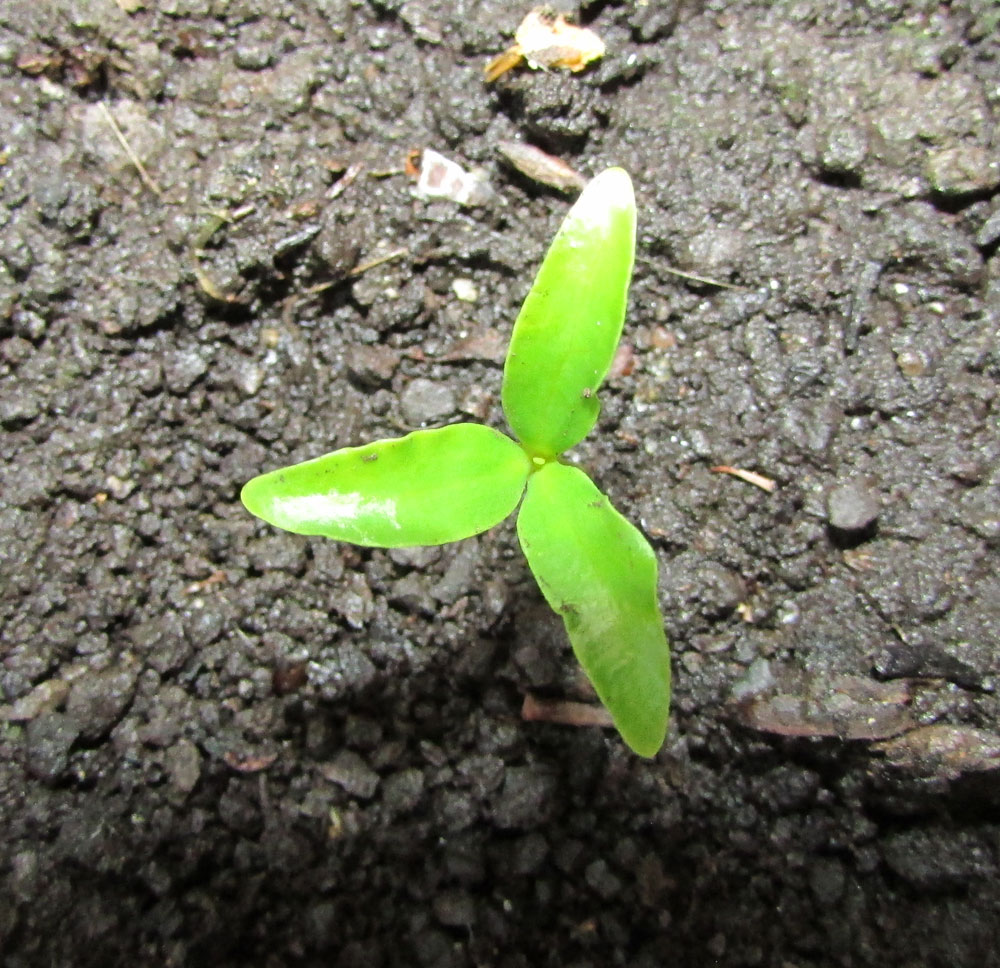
(646,742)
(250,496)
(612,189)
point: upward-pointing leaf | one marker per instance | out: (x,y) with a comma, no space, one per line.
(426,488)
(565,336)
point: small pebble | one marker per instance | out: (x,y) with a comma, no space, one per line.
(49,739)
(852,506)
(455,909)
(183,369)
(183,763)
(844,151)
(526,799)
(961,170)
(402,791)
(465,290)
(44,698)
(372,366)
(425,401)
(98,700)
(353,774)
(758,679)
(911,362)
(990,231)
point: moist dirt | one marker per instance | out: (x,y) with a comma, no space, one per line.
(225,745)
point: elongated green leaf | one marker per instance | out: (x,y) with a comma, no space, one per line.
(599,573)
(565,336)
(426,488)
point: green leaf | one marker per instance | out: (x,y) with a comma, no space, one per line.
(599,573)
(566,334)
(426,488)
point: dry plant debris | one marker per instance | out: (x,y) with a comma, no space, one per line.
(565,712)
(441,177)
(546,39)
(541,167)
(751,477)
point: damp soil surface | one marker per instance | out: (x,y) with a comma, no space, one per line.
(223,745)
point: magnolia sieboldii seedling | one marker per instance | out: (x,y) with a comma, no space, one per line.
(435,486)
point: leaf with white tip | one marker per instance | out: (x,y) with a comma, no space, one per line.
(566,334)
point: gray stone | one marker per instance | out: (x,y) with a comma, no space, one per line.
(601,880)
(49,738)
(183,763)
(758,679)
(720,590)
(278,552)
(716,251)
(349,670)
(44,698)
(412,593)
(937,860)
(852,506)
(248,377)
(460,577)
(98,700)
(990,231)
(354,602)
(184,369)
(19,407)
(421,556)
(826,878)
(372,366)
(844,150)
(979,511)
(350,772)
(528,853)
(425,401)
(253,56)
(526,800)
(161,642)
(961,170)
(402,791)
(455,909)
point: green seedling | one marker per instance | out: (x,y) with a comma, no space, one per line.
(433,486)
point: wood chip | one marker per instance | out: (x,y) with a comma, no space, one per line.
(487,346)
(345,180)
(941,750)
(563,711)
(623,363)
(216,578)
(541,167)
(848,707)
(249,762)
(751,477)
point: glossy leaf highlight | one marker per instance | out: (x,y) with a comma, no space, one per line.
(427,488)
(565,336)
(599,573)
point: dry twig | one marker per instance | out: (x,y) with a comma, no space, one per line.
(147,179)
(751,477)
(563,711)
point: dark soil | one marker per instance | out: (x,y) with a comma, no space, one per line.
(225,745)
